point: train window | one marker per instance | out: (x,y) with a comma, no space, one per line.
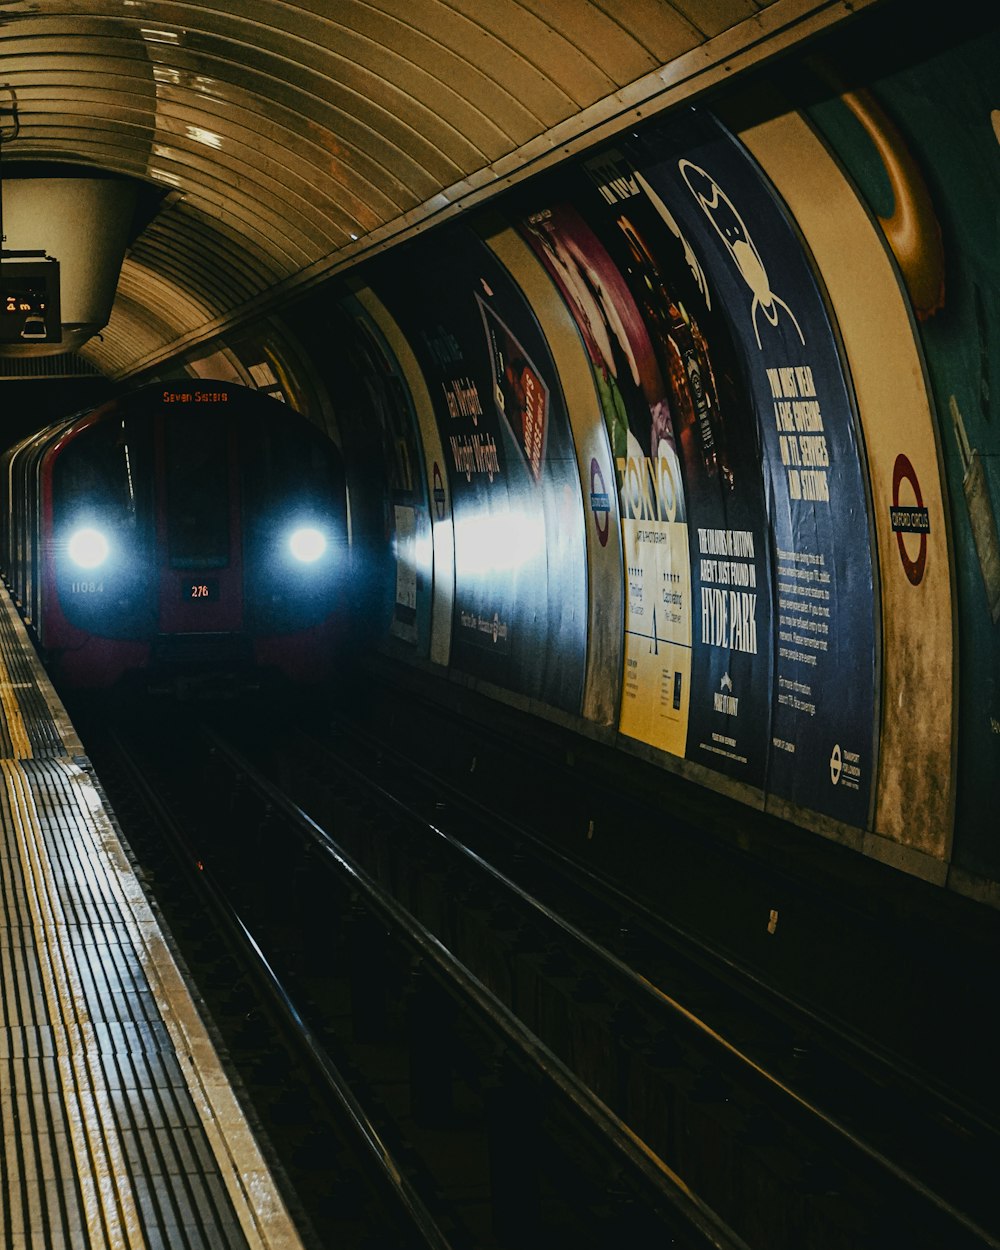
(197,491)
(288,466)
(95,474)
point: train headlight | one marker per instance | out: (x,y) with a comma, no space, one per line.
(307,544)
(88,548)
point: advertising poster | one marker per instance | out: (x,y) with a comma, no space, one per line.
(933,126)
(634,400)
(696,408)
(913,811)
(407,520)
(435,559)
(822,729)
(520,566)
(595,468)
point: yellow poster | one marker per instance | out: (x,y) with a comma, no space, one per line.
(657,671)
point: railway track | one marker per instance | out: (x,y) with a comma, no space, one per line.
(479,1133)
(742,1092)
(788,1132)
(340,1182)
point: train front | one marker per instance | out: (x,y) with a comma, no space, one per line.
(197,543)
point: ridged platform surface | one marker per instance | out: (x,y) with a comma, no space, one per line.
(120,1127)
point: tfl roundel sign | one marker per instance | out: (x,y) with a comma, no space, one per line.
(909,518)
(600,504)
(439,495)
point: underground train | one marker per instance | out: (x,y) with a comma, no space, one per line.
(184,535)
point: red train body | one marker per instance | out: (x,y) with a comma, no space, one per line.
(189,533)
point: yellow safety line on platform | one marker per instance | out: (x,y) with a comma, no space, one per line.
(13,716)
(109,1203)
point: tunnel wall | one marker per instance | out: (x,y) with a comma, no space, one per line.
(690,445)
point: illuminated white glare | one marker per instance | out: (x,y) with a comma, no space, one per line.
(208,137)
(88,548)
(307,544)
(423,553)
(160,36)
(501,541)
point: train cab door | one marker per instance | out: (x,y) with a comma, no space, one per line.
(198,509)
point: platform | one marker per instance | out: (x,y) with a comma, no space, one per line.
(120,1126)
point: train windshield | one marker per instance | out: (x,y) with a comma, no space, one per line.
(294,521)
(94,476)
(287,469)
(197,491)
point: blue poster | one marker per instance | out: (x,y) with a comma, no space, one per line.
(822,734)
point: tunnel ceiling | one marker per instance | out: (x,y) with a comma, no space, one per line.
(290,139)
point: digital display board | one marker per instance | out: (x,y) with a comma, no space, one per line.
(29,300)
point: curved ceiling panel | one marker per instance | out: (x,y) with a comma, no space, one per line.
(133,328)
(295,137)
